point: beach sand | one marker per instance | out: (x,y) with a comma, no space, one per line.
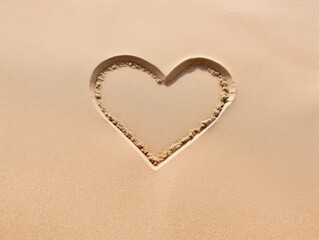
(66,173)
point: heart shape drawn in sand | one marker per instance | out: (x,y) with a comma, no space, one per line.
(227,95)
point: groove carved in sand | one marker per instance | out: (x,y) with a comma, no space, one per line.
(112,64)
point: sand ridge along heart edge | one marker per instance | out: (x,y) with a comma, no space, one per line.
(156,161)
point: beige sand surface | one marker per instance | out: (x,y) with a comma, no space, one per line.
(67,174)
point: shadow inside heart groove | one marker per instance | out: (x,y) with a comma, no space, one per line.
(217,72)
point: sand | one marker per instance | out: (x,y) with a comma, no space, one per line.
(65,173)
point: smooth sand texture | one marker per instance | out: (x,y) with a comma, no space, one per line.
(66,174)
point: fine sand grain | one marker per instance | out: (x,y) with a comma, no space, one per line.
(68,173)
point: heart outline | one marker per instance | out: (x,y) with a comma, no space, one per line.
(113,63)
